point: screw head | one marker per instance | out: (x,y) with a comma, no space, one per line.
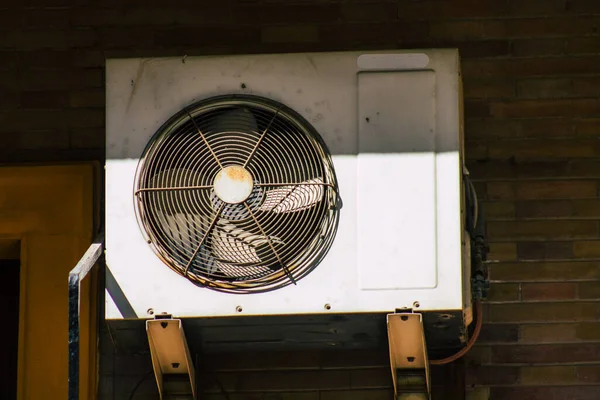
(150,311)
(238,309)
(328,306)
(416,304)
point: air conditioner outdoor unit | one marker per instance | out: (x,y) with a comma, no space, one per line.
(287,184)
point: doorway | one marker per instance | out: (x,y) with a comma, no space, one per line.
(10,282)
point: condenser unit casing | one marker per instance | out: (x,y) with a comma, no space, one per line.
(392,121)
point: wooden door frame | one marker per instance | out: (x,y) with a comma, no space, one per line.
(21,223)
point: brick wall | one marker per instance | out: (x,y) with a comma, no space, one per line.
(532,80)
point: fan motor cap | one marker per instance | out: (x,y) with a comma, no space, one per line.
(233,184)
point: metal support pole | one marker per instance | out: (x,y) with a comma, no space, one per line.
(94,253)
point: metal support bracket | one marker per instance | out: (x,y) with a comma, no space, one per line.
(408,356)
(171,360)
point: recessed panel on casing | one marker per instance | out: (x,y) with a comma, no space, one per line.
(396,177)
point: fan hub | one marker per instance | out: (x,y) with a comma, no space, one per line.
(233,184)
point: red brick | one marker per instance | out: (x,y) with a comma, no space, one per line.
(541,190)
(50,3)
(479,354)
(540,149)
(554,127)
(537,47)
(476,150)
(477,108)
(9,100)
(44,99)
(42,139)
(87,58)
(556,169)
(500,210)
(127,37)
(589,290)
(502,251)
(60,39)
(583,6)
(86,118)
(376,11)
(544,250)
(35,120)
(380,34)
(587,249)
(547,353)
(290,34)
(545,108)
(154,15)
(589,373)
(584,168)
(60,79)
(178,37)
(586,86)
(587,127)
(543,375)
(559,87)
(9,81)
(544,312)
(492,375)
(540,271)
(498,333)
(291,14)
(436,9)
(588,331)
(44,59)
(46,18)
(11,19)
(528,67)
(539,27)
(87,138)
(545,88)
(482,48)
(489,89)
(582,45)
(535,7)
(456,30)
(500,292)
(545,393)
(8,60)
(548,333)
(490,128)
(586,208)
(87,98)
(544,209)
(548,291)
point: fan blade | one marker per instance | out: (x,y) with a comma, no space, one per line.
(294,197)
(236,250)
(237,119)
(188,229)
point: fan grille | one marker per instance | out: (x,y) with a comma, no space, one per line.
(276,234)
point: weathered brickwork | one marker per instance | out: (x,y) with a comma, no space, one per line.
(531,72)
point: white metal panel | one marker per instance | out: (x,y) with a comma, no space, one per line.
(396,180)
(143,93)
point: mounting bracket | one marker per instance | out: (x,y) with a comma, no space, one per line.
(171,360)
(408,356)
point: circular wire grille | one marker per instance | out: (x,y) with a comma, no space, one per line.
(278,234)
